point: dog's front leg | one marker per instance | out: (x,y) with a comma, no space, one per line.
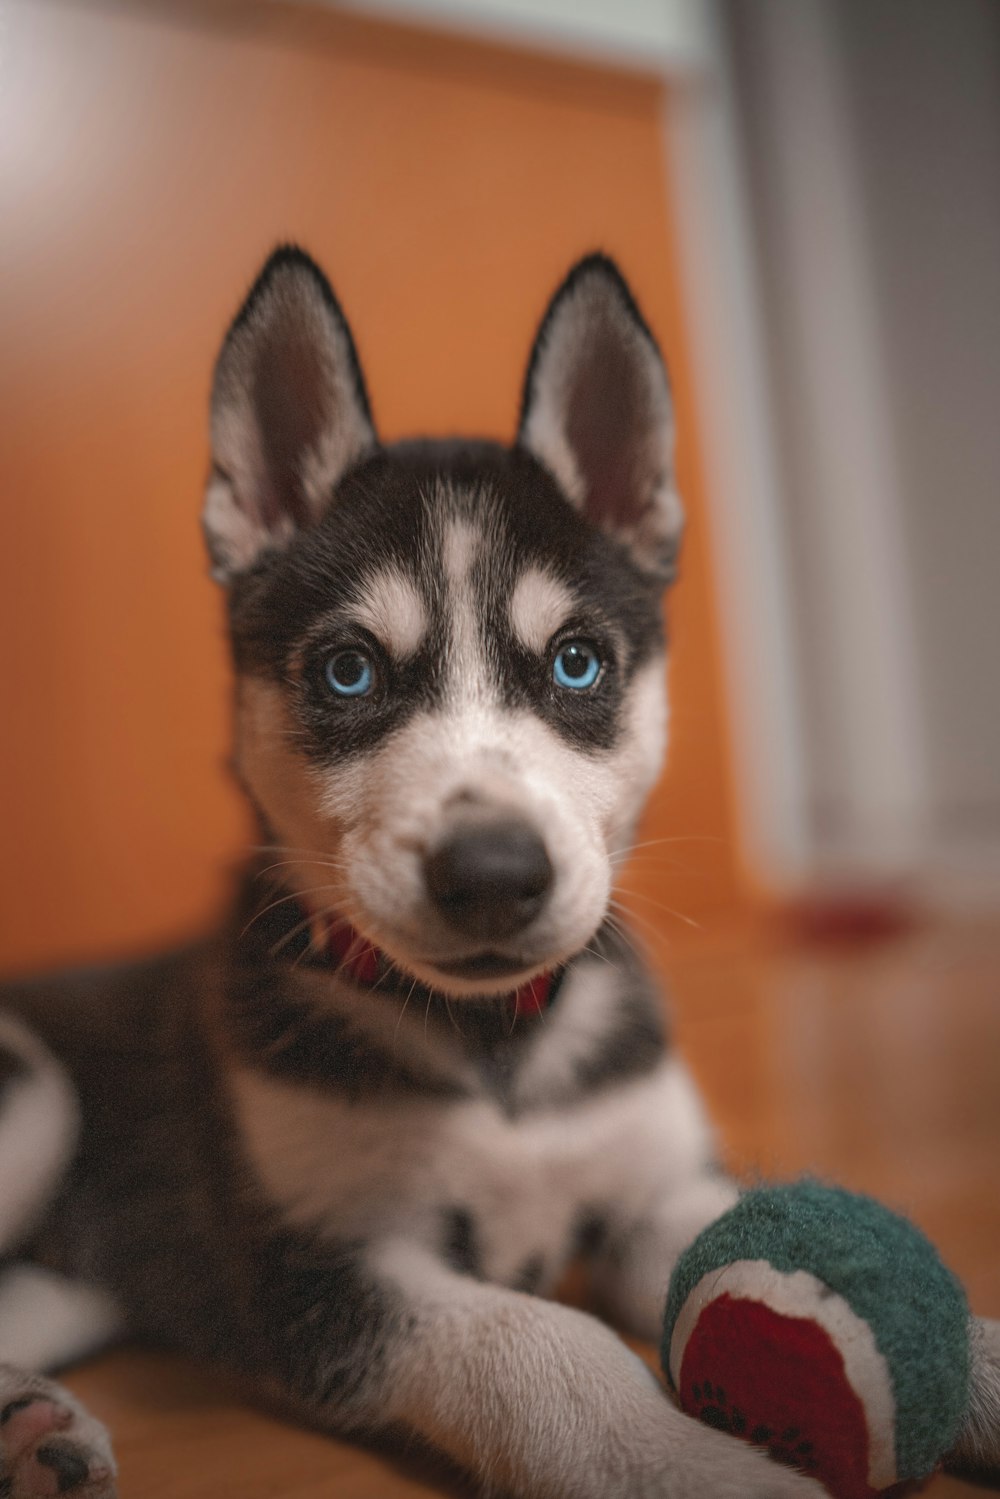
(632,1274)
(537,1399)
(977,1453)
(663,1187)
(632,1267)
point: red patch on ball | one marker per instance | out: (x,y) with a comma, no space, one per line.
(780,1383)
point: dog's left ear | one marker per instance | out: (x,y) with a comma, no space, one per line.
(597,413)
(290,414)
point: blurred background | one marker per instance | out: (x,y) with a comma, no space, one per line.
(805,195)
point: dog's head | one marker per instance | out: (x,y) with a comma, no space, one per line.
(449,655)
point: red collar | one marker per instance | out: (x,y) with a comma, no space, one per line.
(362,960)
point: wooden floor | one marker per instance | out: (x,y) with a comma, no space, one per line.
(878,1065)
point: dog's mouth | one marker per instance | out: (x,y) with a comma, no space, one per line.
(338,942)
(484,965)
(333,941)
(484,975)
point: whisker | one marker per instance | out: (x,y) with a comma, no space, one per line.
(647,939)
(283,900)
(337,866)
(602,956)
(314,945)
(287,848)
(630,939)
(659,906)
(399,1019)
(514,1017)
(290,937)
(296,855)
(447,1006)
(635,848)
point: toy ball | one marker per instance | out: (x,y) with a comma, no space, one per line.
(822,1326)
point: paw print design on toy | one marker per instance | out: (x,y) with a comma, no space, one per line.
(789,1447)
(711,1406)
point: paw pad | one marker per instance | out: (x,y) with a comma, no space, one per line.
(67,1463)
(46,1450)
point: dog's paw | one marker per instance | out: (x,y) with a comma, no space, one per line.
(768,1478)
(713,1463)
(977,1453)
(49,1445)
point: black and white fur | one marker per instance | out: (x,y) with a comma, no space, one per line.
(360,1195)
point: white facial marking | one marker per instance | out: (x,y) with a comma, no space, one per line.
(390,607)
(539,604)
(461,543)
(639,758)
(280,778)
(467,674)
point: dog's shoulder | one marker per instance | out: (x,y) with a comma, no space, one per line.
(143,1007)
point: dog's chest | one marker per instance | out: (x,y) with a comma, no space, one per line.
(504,1198)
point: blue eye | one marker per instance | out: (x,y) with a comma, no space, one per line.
(577,665)
(350,674)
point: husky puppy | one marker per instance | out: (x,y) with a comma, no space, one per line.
(347,1146)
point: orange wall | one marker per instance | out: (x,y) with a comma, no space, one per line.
(150,165)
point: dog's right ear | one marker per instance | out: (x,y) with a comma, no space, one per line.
(290,414)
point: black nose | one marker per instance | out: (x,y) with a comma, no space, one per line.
(490,879)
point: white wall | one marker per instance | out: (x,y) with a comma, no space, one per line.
(651,34)
(871,141)
(925,103)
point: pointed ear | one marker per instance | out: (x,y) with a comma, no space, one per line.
(597,413)
(289,414)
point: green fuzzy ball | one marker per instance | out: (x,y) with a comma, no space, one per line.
(888,1273)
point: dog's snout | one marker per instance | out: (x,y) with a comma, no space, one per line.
(490,879)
